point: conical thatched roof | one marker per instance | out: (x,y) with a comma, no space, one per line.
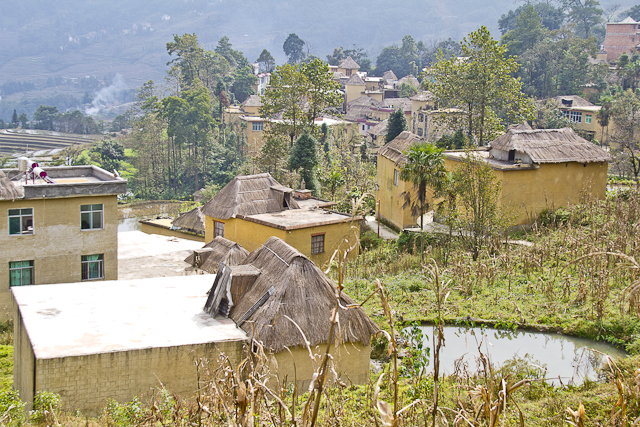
(355,80)
(303,293)
(389,76)
(222,250)
(395,103)
(348,64)
(192,220)
(250,195)
(394,150)
(521,126)
(8,191)
(379,129)
(551,146)
(410,80)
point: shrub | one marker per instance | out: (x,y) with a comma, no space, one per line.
(11,408)
(46,408)
(370,240)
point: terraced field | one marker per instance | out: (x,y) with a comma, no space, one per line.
(12,142)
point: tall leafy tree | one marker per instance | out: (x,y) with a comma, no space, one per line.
(552,17)
(396,125)
(266,61)
(527,33)
(424,168)
(586,14)
(190,122)
(304,156)
(625,141)
(44,116)
(482,85)
(293,48)
(298,94)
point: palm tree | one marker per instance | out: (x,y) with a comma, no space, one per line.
(424,168)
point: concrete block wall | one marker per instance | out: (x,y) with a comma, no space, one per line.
(86,383)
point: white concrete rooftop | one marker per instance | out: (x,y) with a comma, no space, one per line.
(75,319)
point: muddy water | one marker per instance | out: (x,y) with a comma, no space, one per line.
(553,355)
(130,214)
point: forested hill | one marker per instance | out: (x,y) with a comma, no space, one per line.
(78,38)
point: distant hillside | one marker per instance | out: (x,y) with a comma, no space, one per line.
(78,38)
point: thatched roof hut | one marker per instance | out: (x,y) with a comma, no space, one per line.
(395,149)
(250,195)
(547,146)
(8,191)
(348,64)
(191,221)
(216,251)
(303,293)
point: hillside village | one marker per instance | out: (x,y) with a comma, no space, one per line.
(331,230)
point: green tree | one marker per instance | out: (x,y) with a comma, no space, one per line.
(482,85)
(267,61)
(552,17)
(527,33)
(44,116)
(625,144)
(397,124)
(24,120)
(585,14)
(407,91)
(14,119)
(424,168)
(633,12)
(244,80)
(293,48)
(299,94)
(190,122)
(305,156)
(478,218)
(235,58)
(111,154)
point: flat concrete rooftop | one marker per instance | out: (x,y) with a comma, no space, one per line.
(484,155)
(304,217)
(76,319)
(69,181)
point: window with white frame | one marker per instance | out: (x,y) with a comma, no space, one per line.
(93,267)
(218,229)
(20,221)
(257,126)
(91,217)
(317,244)
(396,177)
(576,117)
(21,273)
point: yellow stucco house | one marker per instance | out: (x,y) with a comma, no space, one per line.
(584,115)
(57,227)
(538,169)
(251,209)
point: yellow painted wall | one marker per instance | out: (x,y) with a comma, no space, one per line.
(351,363)
(526,193)
(58,242)
(390,197)
(255,138)
(251,236)
(353,92)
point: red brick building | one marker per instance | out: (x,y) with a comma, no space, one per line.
(622,37)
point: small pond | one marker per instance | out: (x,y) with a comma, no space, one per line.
(569,358)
